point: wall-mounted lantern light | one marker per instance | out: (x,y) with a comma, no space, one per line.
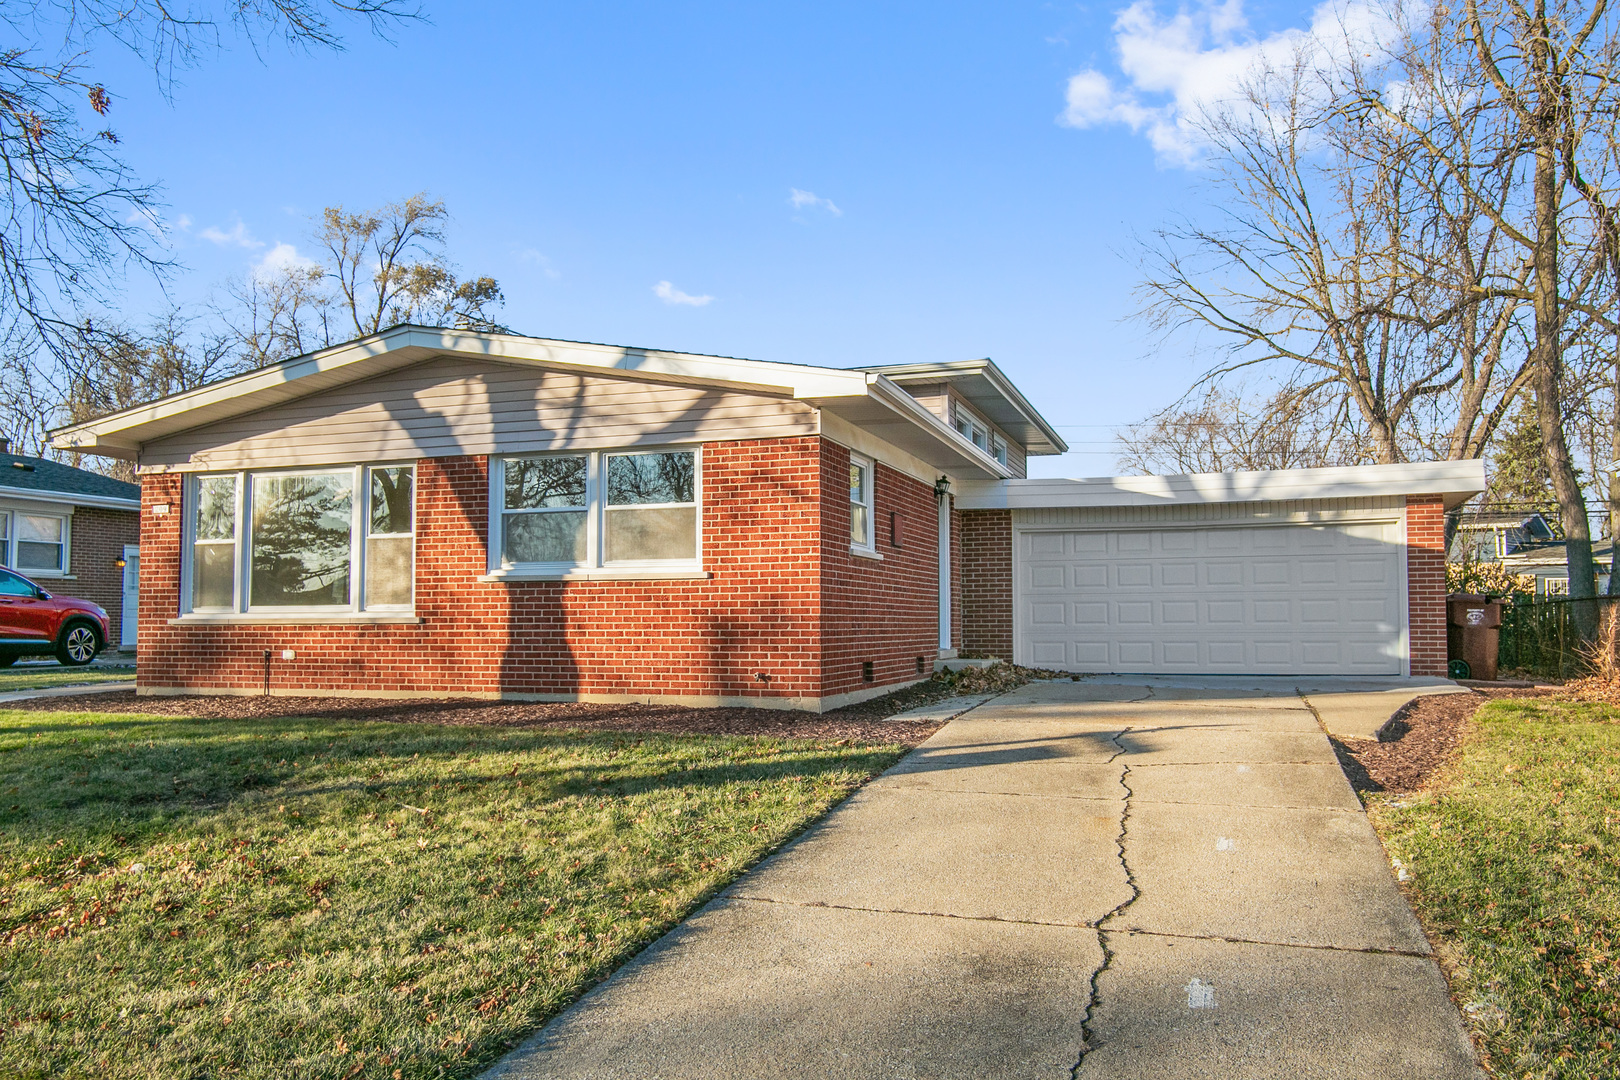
(942,487)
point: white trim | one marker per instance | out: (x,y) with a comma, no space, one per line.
(865,553)
(587,573)
(595,509)
(869,504)
(67,498)
(943,572)
(836,429)
(9,539)
(1458,481)
(333,618)
(241,607)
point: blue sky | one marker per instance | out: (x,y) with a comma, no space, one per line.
(972,197)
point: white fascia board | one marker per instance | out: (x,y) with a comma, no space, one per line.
(959,450)
(121,434)
(67,498)
(985,368)
(1456,481)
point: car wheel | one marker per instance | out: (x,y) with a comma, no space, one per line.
(79,645)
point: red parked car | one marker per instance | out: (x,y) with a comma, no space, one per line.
(32,621)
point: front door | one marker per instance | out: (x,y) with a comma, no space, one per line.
(131,613)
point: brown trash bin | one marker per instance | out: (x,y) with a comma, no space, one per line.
(1473,625)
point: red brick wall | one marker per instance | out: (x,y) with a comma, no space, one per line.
(760,613)
(95,546)
(987,585)
(883,612)
(1426,583)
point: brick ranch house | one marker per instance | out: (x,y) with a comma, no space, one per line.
(73,532)
(428,511)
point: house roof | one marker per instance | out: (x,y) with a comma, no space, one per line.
(867,399)
(1455,481)
(990,391)
(39,478)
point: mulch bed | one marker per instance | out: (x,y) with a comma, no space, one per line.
(1419,742)
(851,724)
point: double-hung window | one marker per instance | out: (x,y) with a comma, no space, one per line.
(597,510)
(329,540)
(36,544)
(860,504)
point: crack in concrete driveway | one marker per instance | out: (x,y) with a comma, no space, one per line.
(1077,881)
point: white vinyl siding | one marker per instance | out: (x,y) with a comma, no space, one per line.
(451,407)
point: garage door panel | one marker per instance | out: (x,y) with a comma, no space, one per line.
(1178,575)
(1318,599)
(1133,575)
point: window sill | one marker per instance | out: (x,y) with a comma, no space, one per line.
(362,618)
(597,574)
(44,575)
(865,553)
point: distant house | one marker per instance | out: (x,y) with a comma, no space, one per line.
(429,511)
(1524,544)
(74,532)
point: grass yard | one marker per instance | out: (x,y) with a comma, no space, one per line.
(1514,867)
(42,677)
(300,898)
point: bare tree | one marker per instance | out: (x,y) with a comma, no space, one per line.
(389,267)
(1501,89)
(72,217)
(1334,268)
(1224,431)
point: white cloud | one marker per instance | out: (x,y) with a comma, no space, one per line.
(800,199)
(669,294)
(279,259)
(540,259)
(146,219)
(237,237)
(1175,68)
(184,221)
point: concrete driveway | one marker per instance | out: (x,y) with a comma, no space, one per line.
(1122,878)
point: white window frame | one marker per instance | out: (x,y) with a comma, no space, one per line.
(242,564)
(9,541)
(869,547)
(977,432)
(596,510)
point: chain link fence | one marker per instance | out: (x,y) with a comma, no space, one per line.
(1540,637)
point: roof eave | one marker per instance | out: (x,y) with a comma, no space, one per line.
(1454,481)
(985,367)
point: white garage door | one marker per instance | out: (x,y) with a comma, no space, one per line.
(1295,599)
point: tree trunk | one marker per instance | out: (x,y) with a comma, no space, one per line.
(1550,357)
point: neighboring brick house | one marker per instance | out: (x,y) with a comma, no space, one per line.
(429,512)
(70,530)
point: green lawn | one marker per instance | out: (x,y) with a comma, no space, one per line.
(1515,868)
(299,898)
(39,678)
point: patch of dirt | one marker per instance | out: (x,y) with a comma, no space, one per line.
(1419,740)
(863,722)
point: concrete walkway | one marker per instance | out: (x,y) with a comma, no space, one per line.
(1158,878)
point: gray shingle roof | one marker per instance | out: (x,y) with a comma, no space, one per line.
(38,474)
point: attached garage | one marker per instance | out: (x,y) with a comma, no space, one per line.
(1280,599)
(1299,572)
